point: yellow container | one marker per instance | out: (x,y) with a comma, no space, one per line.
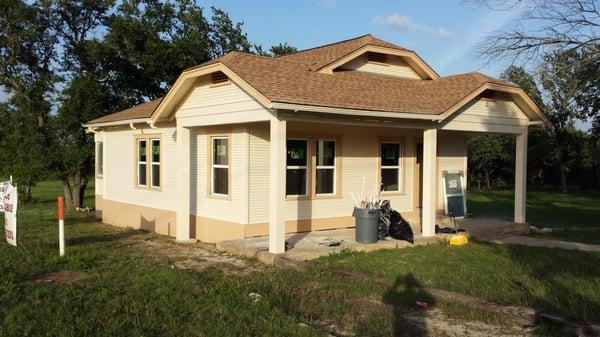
(459,240)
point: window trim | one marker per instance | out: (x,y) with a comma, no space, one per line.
(209,188)
(312,160)
(327,167)
(401,165)
(99,159)
(153,163)
(307,168)
(147,137)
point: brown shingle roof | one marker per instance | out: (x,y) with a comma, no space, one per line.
(292,79)
(318,57)
(143,110)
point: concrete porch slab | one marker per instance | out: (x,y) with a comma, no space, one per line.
(308,245)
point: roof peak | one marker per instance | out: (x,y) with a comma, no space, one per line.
(364,36)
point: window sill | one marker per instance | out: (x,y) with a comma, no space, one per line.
(219,197)
(148,188)
(393,193)
(297,197)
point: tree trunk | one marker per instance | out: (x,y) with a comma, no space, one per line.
(68,197)
(563,177)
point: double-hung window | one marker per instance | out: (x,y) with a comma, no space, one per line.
(325,166)
(297,167)
(99,159)
(155,163)
(142,162)
(391,168)
(220,166)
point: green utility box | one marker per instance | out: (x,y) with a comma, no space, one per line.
(367,225)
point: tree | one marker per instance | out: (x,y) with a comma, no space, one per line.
(559,78)
(282,49)
(26,72)
(544,26)
(488,156)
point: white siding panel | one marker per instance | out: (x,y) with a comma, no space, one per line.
(226,209)
(119,168)
(452,155)
(359,150)
(98,182)
(487,115)
(395,66)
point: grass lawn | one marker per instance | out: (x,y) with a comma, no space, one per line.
(125,292)
(544,208)
(583,236)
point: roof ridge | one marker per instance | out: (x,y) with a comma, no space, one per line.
(326,45)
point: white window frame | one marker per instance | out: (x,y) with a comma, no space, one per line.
(325,167)
(213,166)
(399,166)
(139,162)
(153,163)
(299,167)
(100,160)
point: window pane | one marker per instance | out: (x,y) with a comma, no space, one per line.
(389,180)
(142,150)
(220,151)
(295,182)
(325,153)
(325,178)
(220,181)
(155,151)
(141,174)
(156,175)
(390,154)
(297,152)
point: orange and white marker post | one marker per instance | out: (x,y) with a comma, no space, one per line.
(61,226)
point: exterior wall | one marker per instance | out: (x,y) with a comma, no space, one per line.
(121,202)
(359,159)
(485,115)
(452,155)
(395,66)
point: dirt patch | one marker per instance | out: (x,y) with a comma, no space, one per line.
(59,277)
(197,256)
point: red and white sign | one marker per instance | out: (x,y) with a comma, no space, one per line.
(10,200)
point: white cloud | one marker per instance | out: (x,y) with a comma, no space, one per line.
(328,3)
(404,23)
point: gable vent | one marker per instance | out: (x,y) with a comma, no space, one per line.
(376,57)
(219,77)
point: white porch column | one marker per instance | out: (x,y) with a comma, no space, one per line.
(277,186)
(521,178)
(182,232)
(429,182)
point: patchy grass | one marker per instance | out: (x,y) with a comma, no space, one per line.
(544,208)
(583,236)
(371,294)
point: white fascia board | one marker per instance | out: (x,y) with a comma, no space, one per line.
(354,112)
(123,122)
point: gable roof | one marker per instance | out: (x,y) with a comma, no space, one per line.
(318,57)
(295,79)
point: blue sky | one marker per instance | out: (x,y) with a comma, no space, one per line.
(442,32)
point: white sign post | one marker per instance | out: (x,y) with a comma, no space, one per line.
(10,201)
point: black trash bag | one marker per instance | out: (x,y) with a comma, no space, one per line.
(400,229)
(384,219)
(392,224)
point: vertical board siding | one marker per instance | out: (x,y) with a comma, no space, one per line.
(227,209)
(119,169)
(395,66)
(359,150)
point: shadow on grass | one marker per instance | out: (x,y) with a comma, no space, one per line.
(405,293)
(105,237)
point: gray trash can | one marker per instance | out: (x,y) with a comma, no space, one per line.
(367,224)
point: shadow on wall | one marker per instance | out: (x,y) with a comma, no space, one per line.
(403,294)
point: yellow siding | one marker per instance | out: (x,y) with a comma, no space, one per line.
(359,151)
(119,168)
(395,66)
(452,155)
(486,115)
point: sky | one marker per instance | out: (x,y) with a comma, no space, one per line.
(443,32)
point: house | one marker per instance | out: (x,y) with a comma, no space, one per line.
(246,145)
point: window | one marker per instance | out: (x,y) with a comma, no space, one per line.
(391,167)
(325,166)
(99,159)
(220,166)
(297,167)
(155,163)
(142,153)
